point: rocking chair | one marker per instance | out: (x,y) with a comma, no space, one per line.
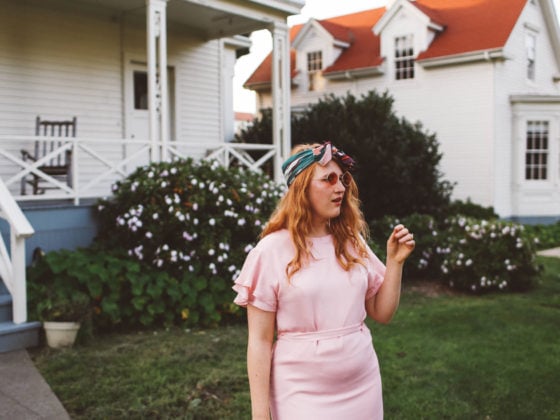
(59,166)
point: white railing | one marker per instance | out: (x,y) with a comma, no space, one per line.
(96,163)
(12,268)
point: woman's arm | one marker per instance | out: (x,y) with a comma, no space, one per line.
(259,356)
(384,304)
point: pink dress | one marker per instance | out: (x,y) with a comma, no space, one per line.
(323,365)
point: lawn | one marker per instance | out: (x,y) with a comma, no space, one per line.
(444,356)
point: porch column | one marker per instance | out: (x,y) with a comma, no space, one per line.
(281,131)
(157,77)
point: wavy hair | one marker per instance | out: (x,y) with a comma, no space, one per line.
(294,213)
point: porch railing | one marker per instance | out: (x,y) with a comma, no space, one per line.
(12,264)
(97,163)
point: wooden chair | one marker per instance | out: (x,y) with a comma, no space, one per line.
(59,166)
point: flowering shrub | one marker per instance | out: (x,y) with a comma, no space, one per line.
(478,255)
(193,220)
(469,254)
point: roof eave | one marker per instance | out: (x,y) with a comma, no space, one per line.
(468,57)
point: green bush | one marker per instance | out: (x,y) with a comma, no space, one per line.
(547,236)
(469,209)
(194,221)
(122,290)
(398,162)
(479,255)
(469,254)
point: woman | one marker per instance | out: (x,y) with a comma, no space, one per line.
(311,280)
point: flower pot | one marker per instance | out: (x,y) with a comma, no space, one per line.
(61,334)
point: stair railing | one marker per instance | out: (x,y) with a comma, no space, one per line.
(12,264)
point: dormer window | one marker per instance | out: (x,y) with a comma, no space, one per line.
(531,52)
(404,57)
(314,67)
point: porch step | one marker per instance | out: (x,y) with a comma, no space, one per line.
(18,336)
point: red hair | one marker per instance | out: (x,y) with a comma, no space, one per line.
(294,213)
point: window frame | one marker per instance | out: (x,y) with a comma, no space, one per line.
(314,67)
(531,56)
(404,57)
(537,151)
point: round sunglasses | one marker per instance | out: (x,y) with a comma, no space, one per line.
(333,178)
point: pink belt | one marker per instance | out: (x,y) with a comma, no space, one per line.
(321,335)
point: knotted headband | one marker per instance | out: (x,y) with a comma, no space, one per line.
(322,154)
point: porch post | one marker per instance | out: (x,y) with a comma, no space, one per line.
(157,77)
(281,131)
(19,295)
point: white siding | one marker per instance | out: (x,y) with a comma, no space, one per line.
(514,195)
(65,62)
(468,107)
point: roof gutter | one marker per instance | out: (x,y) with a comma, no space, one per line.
(470,57)
(354,73)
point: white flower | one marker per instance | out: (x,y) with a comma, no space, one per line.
(211,252)
(150,174)
(241,222)
(155,216)
(195,222)
(195,206)
(468,262)
(212,222)
(173,170)
(163,184)
(149,235)
(194,181)
(248,248)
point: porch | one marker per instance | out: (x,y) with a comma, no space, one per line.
(64,58)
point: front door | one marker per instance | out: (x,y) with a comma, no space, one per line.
(137,125)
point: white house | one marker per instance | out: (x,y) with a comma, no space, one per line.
(132,81)
(481,74)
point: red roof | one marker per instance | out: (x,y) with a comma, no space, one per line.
(469,26)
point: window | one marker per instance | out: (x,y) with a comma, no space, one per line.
(536,151)
(404,57)
(314,67)
(314,61)
(531,48)
(140,90)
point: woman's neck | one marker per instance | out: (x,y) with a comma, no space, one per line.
(319,228)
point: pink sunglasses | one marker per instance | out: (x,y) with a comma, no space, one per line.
(333,177)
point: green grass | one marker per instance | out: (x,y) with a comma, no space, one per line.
(444,357)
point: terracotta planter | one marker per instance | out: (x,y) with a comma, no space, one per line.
(61,334)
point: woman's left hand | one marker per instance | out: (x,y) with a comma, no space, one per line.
(400,244)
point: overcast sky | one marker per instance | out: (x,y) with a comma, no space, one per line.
(244,100)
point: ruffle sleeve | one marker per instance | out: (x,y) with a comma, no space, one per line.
(256,284)
(376,274)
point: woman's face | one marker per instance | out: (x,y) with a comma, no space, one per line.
(325,198)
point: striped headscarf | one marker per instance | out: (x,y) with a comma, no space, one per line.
(322,154)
